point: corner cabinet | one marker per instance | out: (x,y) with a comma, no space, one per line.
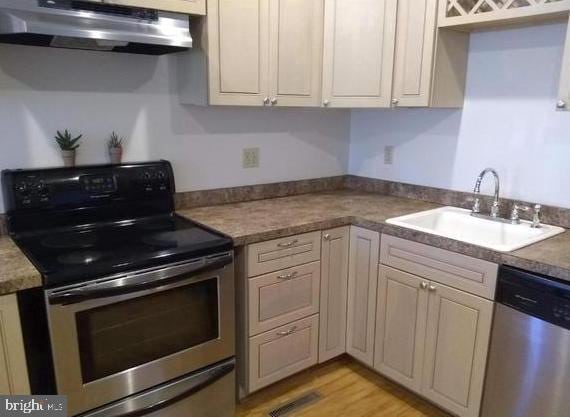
(257,53)
(362,285)
(358,53)
(197,7)
(13,369)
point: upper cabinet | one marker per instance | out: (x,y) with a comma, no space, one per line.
(259,53)
(182,6)
(564,93)
(358,52)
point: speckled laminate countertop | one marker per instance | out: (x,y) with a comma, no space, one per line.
(260,220)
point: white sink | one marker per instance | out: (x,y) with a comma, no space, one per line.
(458,224)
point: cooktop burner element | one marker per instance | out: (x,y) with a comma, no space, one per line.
(76,224)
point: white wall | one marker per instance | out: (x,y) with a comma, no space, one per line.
(508,122)
(43,90)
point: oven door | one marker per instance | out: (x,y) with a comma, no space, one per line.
(115,337)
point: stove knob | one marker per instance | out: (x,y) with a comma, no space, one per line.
(161,175)
(22,189)
(147,175)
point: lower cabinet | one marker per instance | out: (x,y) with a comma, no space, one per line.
(334,288)
(13,369)
(282,352)
(433,339)
(362,284)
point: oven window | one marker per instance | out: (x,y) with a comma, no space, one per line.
(120,336)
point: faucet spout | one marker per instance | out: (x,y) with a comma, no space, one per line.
(477,191)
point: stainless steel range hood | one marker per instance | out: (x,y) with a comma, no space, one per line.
(94,26)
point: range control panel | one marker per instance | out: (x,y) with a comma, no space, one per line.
(61,187)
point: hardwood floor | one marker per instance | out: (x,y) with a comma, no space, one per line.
(348,389)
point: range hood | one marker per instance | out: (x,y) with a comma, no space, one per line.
(94,26)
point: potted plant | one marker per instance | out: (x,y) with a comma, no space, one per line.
(115,145)
(68,145)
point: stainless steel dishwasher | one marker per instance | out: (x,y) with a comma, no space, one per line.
(528,374)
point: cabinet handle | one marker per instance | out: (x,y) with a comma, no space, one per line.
(287,244)
(288,276)
(266,101)
(561,104)
(287,332)
(326,103)
(424,285)
(327,237)
(432,288)
(395,101)
(273,101)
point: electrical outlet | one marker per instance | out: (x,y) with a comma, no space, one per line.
(388,155)
(250,158)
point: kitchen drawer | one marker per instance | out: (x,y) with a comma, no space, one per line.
(282,352)
(459,271)
(278,254)
(281,297)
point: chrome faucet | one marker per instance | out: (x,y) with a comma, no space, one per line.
(477,191)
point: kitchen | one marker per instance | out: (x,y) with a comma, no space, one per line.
(332,283)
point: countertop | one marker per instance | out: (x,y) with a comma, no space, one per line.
(260,220)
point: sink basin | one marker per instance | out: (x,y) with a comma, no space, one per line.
(458,224)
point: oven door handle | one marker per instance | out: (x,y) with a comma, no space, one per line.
(140,281)
(166,395)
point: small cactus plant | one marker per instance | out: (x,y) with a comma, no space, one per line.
(115,141)
(66,141)
(115,145)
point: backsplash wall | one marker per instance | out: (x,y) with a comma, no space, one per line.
(42,90)
(508,123)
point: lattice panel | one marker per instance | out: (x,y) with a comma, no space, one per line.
(475,7)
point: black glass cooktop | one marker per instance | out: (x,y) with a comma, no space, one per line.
(67,255)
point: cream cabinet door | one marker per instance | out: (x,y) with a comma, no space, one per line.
(182,6)
(401,326)
(358,54)
(415,46)
(564,93)
(13,369)
(238,48)
(362,286)
(334,288)
(457,340)
(296,48)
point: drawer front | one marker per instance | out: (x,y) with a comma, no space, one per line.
(459,271)
(282,352)
(278,254)
(281,297)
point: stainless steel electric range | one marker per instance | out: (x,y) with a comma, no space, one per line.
(137,302)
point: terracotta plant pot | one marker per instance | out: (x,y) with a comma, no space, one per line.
(68,158)
(116,155)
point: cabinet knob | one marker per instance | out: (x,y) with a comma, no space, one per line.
(266,101)
(395,101)
(327,236)
(561,104)
(424,285)
(432,288)
(326,103)
(273,101)
(287,332)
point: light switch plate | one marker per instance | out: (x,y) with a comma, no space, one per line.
(250,158)
(388,155)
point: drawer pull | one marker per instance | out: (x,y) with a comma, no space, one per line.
(287,244)
(287,332)
(432,288)
(424,285)
(288,276)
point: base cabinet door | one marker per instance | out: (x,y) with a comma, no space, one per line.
(296,45)
(358,54)
(401,326)
(238,49)
(334,288)
(282,352)
(362,287)
(457,339)
(13,369)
